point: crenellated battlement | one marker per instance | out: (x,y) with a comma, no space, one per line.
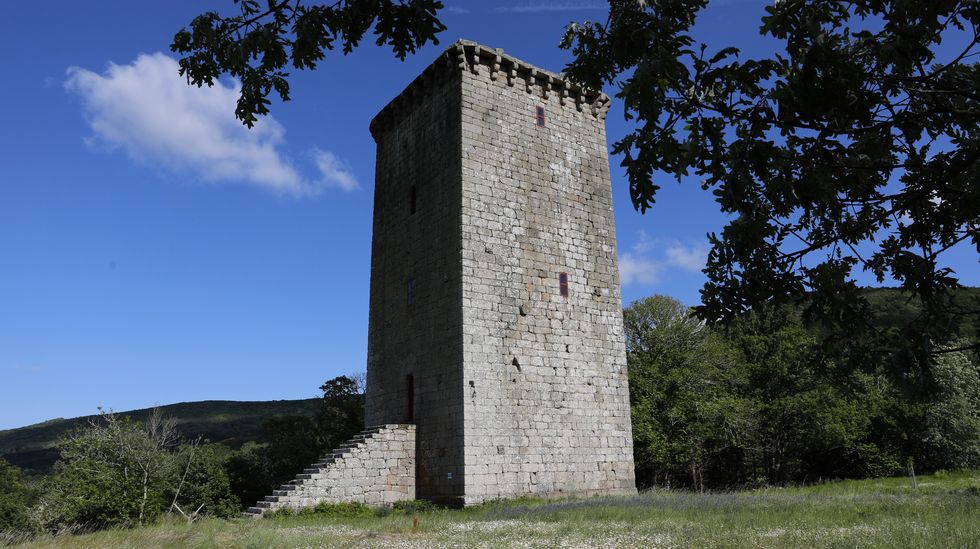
(465,56)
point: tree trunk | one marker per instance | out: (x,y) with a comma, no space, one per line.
(146,482)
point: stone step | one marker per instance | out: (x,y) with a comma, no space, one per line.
(301,488)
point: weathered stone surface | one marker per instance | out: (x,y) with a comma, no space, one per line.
(415,322)
(376,468)
(516,389)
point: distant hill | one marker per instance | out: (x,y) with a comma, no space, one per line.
(227,421)
(895,310)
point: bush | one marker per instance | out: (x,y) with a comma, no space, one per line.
(412,506)
(952,421)
(344,510)
(279,513)
(118,472)
(203,483)
(326,509)
(14,501)
(110,474)
(357,510)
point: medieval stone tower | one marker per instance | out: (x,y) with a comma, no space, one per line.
(496,359)
(496,319)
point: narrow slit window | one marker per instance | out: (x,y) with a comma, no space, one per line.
(410,389)
(410,291)
(411,200)
(539,116)
(563,284)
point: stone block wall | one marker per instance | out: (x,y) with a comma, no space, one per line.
(415,326)
(377,467)
(518,389)
(546,409)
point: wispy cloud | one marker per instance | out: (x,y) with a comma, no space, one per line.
(457,10)
(29,369)
(635,269)
(535,7)
(691,258)
(648,258)
(334,172)
(147,110)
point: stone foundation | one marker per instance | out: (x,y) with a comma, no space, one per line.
(377,467)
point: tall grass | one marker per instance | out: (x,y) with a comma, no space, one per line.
(943,512)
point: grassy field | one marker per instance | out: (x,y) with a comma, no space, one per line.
(944,511)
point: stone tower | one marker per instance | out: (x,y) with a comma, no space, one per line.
(496,319)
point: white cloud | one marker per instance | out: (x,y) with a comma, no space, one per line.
(334,172)
(691,258)
(643,243)
(634,269)
(649,257)
(151,113)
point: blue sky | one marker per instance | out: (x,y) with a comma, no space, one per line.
(153,251)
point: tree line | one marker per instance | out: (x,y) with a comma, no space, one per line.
(759,402)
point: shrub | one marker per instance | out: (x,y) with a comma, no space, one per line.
(326,509)
(952,421)
(14,500)
(412,506)
(201,482)
(111,473)
(344,510)
(119,472)
(280,513)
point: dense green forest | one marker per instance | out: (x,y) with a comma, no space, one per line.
(759,402)
(755,403)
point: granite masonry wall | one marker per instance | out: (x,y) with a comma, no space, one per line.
(377,467)
(546,410)
(415,338)
(516,388)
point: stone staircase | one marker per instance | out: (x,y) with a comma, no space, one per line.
(376,467)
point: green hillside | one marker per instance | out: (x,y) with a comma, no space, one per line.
(230,422)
